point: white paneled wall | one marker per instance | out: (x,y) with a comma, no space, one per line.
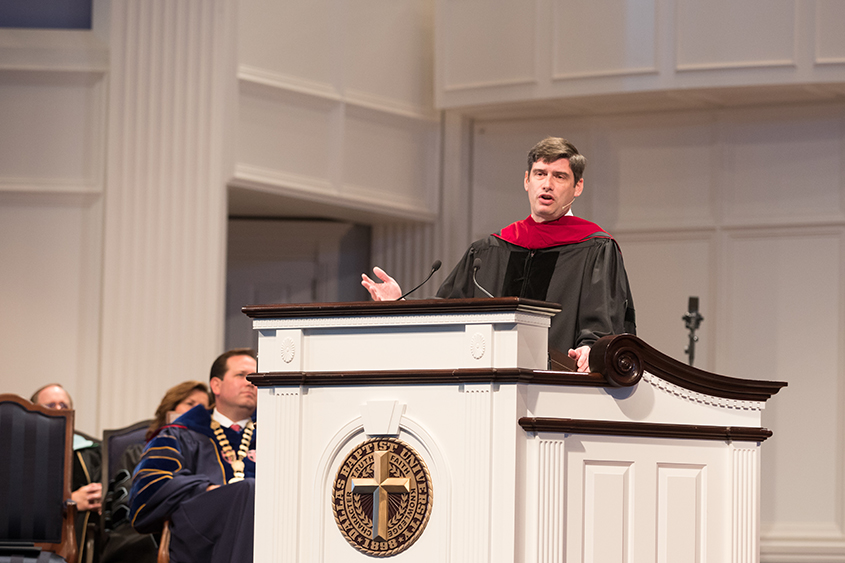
(745,39)
(52,134)
(551,50)
(67,105)
(796,153)
(49,296)
(690,257)
(580,50)
(783,292)
(336,105)
(829,43)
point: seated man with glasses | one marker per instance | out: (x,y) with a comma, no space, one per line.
(87,463)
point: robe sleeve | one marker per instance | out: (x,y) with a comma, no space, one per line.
(458,284)
(163,479)
(606,306)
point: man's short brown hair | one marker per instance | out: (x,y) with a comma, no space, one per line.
(218,368)
(552,149)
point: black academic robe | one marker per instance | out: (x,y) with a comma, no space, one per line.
(587,279)
(87,469)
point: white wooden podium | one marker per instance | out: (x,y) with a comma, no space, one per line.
(645,459)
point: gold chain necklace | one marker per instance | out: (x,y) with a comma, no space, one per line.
(237,463)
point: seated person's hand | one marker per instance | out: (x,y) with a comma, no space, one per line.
(89,497)
(388,290)
(581,356)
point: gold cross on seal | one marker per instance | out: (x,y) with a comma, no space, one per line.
(381,484)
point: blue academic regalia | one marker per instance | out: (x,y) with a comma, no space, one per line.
(170,482)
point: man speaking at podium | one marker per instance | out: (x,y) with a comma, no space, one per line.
(551,256)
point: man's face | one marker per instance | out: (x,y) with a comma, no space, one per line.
(54,397)
(551,189)
(234,394)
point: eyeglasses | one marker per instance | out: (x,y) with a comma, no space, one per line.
(60,405)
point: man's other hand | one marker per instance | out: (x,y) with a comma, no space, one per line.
(582,358)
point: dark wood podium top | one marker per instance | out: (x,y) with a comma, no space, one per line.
(404,307)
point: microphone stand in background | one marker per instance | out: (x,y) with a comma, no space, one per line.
(693,320)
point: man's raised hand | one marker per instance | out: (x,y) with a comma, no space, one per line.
(387,290)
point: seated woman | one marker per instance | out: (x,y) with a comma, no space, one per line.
(124,543)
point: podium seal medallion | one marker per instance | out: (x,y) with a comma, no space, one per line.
(382,497)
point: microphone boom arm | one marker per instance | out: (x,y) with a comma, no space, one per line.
(476,264)
(434,267)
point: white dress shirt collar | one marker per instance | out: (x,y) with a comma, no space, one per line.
(225,421)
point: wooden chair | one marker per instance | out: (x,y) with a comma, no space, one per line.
(37,513)
(115,540)
(115,443)
(164,545)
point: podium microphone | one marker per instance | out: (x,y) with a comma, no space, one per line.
(434,267)
(476,264)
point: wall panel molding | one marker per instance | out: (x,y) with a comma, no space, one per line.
(45,187)
(52,50)
(263,77)
(608,506)
(791,542)
(470,51)
(327,92)
(317,189)
(828,41)
(743,40)
(53,136)
(681,517)
(367,100)
(758,185)
(611,38)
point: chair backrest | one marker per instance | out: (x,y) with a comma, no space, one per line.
(116,493)
(115,443)
(35,476)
